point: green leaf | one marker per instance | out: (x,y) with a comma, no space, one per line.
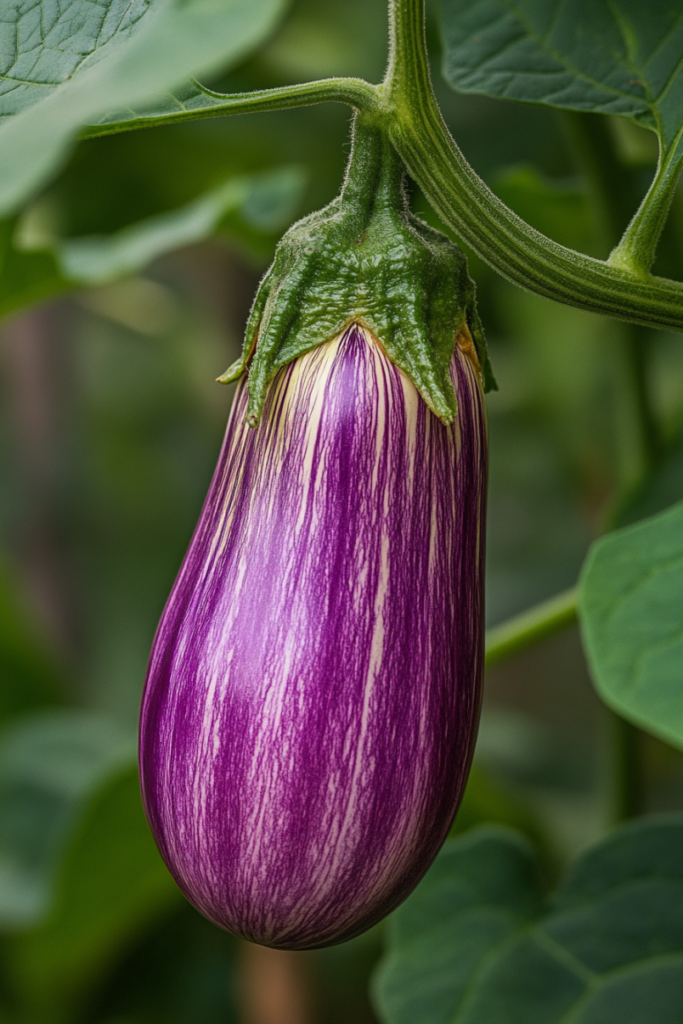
(112,884)
(631,613)
(50,764)
(608,949)
(37,265)
(480,890)
(265,201)
(67,64)
(609,56)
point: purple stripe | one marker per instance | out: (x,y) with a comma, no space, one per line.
(314,684)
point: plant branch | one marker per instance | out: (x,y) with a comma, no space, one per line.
(353,91)
(405,106)
(462,200)
(638,246)
(527,629)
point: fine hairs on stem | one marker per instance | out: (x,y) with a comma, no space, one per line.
(404,106)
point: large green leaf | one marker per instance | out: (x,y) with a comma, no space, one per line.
(37,265)
(111,885)
(611,56)
(479,892)
(631,612)
(265,201)
(64,65)
(50,765)
(472,945)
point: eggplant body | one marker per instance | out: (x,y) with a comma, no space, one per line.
(313,691)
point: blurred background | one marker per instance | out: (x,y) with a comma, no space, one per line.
(110,426)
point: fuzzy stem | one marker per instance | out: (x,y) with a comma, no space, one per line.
(354,92)
(638,246)
(374,172)
(472,211)
(405,106)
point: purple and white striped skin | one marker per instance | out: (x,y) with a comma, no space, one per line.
(314,685)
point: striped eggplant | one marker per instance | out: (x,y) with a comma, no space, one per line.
(314,684)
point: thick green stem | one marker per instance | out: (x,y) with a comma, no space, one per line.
(374,173)
(527,629)
(470,209)
(406,108)
(407,84)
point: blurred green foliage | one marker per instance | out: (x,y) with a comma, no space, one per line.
(31,673)
(110,426)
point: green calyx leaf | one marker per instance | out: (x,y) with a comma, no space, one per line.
(366,259)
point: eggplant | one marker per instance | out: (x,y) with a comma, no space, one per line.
(313,691)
